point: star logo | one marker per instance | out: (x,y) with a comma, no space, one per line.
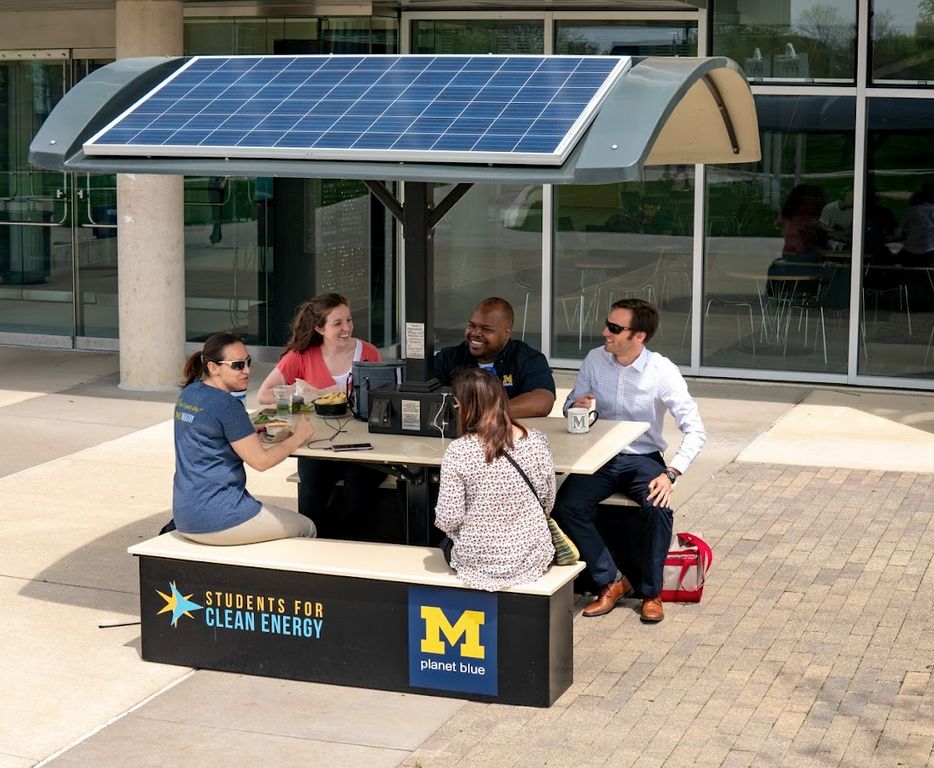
(178,604)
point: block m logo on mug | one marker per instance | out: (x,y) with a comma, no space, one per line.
(580,420)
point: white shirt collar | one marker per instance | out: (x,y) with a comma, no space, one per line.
(638,364)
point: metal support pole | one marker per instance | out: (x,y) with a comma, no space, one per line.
(418,217)
(419,287)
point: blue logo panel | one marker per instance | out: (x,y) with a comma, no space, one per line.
(453,640)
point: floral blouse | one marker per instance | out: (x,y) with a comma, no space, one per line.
(498,527)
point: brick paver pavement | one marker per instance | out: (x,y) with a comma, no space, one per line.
(813,646)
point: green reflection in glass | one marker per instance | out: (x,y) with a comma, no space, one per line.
(246,36)
(902,42)
(897,290)
(232,248)
(490,243)
(810,40)
(223,274)
(635,239)
(355,34)
(777,253)
(626,38)
(477,36)
(96,244)
(615,241)
(209,36)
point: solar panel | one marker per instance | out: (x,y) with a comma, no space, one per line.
(475,109)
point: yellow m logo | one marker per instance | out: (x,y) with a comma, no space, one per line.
(467,626)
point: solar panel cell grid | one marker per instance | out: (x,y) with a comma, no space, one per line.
(508,109)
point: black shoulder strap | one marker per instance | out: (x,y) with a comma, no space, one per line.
(524,477)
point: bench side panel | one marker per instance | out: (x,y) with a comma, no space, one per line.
(340,630)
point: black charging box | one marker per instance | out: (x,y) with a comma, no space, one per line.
(396,410)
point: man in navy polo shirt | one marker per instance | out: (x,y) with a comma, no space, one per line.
(488,343)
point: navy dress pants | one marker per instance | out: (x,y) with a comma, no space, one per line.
(576,506)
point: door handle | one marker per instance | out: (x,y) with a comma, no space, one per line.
(60,194)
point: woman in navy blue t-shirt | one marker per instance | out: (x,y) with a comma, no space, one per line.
(213,438)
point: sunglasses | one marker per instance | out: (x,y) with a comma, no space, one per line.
(237,365)
(616,329)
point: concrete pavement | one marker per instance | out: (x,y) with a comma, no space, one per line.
(813,645)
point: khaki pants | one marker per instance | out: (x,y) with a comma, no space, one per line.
(269,523)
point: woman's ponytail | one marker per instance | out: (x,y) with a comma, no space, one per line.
(193,369)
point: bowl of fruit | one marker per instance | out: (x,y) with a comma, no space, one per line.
(331,404)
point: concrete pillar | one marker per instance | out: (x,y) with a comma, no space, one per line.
(151,244)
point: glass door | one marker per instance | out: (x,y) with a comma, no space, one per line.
(58,239)
(36,275)
(95,247)
(95,239)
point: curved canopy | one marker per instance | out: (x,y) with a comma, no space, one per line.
(651,111)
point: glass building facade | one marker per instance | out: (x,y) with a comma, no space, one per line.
(814,264)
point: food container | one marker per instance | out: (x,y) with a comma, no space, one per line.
(276,428)
(331,409)
(331,404)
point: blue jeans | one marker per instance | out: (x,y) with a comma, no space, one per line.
(576,505)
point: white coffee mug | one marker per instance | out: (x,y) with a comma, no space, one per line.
(580,420)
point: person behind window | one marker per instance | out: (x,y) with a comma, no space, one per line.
(496,524)
(318,357)
(650,218)
(881,227)
(800,224)
(654,220)
(213,438)
(918,229)
(837,220)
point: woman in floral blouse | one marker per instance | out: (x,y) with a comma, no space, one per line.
(496,523)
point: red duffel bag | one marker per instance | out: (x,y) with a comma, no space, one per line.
(687,563)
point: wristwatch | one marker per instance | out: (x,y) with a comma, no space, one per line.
(671,475)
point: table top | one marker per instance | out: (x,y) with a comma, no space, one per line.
(780,278)
(900,267)
(615,263)
(834,260)
(596,258)
(576,454)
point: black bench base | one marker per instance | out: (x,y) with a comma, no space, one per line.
(506,647)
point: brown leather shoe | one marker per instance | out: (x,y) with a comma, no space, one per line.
(611,594)
(652,610)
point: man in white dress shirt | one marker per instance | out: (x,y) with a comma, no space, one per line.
(630,383)
(837,219)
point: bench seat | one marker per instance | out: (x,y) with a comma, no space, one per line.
(619,500)
(350,559)
(382,616)
(389,482)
